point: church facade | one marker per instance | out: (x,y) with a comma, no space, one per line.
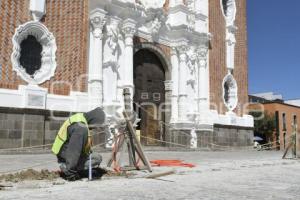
(184,61)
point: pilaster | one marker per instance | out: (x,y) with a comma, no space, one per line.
(95,87)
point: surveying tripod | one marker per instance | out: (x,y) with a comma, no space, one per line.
(126,135)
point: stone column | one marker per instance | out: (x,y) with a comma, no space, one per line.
(129,29)
(95,78)
(182,100)
(175,70)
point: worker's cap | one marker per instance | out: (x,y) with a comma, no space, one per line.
(95,118)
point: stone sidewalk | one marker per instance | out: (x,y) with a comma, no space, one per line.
(217,175)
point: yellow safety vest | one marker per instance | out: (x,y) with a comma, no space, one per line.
(62,135)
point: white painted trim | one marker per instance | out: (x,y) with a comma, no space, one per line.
(76,102)
(37,9)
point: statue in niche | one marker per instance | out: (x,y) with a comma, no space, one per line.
(111,57)
(112,50)
(191,63)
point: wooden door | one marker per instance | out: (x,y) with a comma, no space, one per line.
(149,95)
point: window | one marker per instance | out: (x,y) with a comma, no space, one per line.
(225,6)
(229,10)
(31,58)
(295,123)
(284,140)
(284,121)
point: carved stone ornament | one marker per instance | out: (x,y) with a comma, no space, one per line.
(129,28)
(182,50)
(154,4)
(230,92)
(202,56)
(97,25)
(48,58)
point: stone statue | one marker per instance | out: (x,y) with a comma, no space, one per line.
(111,56)
(191,80)
(112,48)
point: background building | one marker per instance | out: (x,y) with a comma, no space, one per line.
(184,60)
(286,117)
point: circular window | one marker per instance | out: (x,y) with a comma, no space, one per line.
(34,49)
(230,92)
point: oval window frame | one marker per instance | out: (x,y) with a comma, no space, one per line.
(47,40)
(233,94)
(229,19)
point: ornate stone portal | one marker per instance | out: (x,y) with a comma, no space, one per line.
(178,30)
(178,79)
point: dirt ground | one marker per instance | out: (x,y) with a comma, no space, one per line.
(217,175)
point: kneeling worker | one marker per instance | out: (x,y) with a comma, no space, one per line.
(72,145)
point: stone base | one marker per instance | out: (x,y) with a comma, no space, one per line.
(32,127)
(221,137)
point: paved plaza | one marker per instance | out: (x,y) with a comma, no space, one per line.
(217,175)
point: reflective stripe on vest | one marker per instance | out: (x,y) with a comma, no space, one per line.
(63,133)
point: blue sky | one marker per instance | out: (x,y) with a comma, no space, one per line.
(274,46)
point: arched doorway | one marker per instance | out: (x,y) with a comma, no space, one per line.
(149,78)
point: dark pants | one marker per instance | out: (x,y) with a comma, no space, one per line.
(71,156)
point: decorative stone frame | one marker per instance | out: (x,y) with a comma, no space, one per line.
(47,40)
(232,93)
(230,18)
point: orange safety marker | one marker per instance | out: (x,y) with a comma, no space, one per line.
(171,163)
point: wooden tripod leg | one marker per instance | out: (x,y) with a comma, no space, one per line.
(130,154)
(138,144)
(119,144)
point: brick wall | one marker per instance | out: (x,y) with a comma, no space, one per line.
(68,21)
(217,60)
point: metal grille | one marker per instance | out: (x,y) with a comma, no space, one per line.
(31,58)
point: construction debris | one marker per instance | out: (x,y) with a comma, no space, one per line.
(2,187)
(171,163)
(153,176)
(30,174)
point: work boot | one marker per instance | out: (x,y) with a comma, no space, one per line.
(69,175)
